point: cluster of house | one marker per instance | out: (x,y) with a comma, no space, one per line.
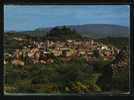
(44,52)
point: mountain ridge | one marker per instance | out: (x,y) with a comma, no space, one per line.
(88,30)
(93,30)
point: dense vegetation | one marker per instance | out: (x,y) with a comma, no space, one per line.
(73,77)
(118,42)
(63,33)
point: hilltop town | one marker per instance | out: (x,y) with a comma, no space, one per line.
(34,52)
(64,62)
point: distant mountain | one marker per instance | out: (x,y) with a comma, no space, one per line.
(95,30)
(87,30)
